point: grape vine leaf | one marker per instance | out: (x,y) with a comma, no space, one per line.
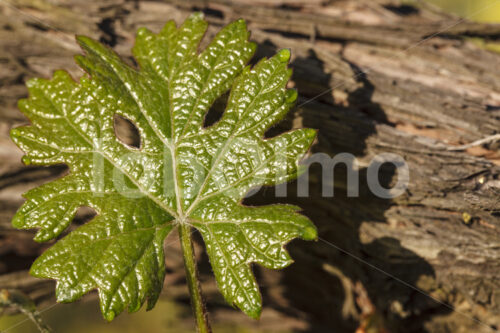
(182,173)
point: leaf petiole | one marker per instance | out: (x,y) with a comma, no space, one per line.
(192,279)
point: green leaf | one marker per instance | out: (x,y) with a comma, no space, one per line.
(182,173)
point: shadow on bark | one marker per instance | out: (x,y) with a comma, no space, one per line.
(328,290)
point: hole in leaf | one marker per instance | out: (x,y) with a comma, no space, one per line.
(126,131)
(84,214)
(216,111)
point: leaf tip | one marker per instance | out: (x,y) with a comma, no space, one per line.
(310,233)
(90,45)
(311,133)
(109,315)
(32,83)
(15,133)
(26,160)
(18,220)
(35,270)
(141,31)
(254,313)
(284,55)
(22,104)
(291,95)
(134,307)
(42,236)
(83,40)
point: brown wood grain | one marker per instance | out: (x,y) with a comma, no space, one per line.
(383,77)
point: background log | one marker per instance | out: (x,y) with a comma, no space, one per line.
(373,77)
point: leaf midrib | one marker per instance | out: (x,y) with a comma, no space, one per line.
(226,143)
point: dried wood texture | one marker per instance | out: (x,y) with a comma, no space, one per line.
(383,77)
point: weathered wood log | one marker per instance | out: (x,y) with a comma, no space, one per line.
(373,77)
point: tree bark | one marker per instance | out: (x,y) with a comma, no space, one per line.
(374,77)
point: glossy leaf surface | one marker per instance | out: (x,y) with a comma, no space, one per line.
(182,173)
